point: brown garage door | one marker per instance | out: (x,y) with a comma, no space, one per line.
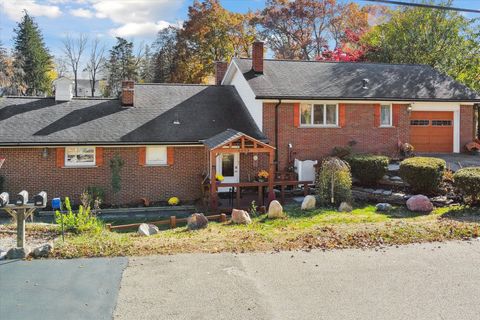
(431,131)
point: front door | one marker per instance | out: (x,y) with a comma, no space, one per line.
(228,167)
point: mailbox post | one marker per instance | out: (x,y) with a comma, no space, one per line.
(21,209)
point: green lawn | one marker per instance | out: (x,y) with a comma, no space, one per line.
(320,228)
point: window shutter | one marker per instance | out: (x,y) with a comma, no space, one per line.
(341,115)
(296,115)
(170,155)
(396,114)
(99,156)
(60,157)
(142,156)
(376,115)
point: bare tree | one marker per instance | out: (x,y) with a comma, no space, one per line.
(61,67)
(95,63)
(73,49)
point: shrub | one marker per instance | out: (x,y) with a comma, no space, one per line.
(467,181)
(341,152)
(423,174)
(82,221)
(369,169)
(173,201)
(334,181)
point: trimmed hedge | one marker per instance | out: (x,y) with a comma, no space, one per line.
(467,180)
(367,168)
(423,174)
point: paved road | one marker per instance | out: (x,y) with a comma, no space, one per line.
(431,281)
(59,289)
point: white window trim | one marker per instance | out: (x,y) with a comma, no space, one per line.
(391,116)
(312,125)
(156,163)
(80,164)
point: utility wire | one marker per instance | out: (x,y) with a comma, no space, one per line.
(423,5)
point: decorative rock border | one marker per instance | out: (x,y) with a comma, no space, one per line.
(393,197)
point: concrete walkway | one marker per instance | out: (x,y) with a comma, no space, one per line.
(431,281)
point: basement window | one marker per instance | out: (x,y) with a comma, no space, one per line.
(156,155)
(321,115)
(79,156)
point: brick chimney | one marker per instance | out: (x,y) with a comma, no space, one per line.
(220,70)
(127,93)
(257,57)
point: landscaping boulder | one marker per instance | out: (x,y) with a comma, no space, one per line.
(275,210)
(42,252)
(18,253)
(309,203)
(197,221)
(345,207)
(240,217)
(383,207)
(419,203)
(147,229)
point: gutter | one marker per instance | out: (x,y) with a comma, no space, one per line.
(310,98)
(276,133)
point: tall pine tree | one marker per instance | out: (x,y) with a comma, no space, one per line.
(121,65)
(32,61)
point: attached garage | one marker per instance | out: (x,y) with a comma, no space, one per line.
(432,131)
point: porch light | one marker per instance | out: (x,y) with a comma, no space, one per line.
(409,108)
(45,153)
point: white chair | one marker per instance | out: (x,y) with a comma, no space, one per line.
(305,170)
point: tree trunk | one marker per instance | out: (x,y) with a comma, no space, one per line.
(76,92)
(93,86)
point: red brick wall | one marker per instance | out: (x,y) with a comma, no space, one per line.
(314,143)
(467,125)
(249,167)
(26,169)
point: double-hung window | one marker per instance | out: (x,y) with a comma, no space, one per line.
(156,155)
(79,156)
(319,114)
(386,115)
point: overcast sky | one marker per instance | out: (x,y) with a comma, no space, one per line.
(137,20)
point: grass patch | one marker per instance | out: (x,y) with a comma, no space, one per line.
(321,228)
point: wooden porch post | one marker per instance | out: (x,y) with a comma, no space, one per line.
(213,182)
(271,176)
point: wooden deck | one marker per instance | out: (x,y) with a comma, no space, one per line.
(243,193)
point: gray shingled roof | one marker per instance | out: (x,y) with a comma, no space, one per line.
(202,112)
(343,80)
(222,138)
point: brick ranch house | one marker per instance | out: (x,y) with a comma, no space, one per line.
(260,114)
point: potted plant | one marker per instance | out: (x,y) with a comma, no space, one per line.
(173,201)
(219,178)
(262,175)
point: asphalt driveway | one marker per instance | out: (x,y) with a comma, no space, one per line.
(428,281)
(59,289)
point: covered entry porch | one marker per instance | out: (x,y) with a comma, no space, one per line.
(229,153)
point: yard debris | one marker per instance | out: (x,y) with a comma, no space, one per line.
(309,202)
(345,207)
(197,221)
(383,207)
(419,203)
(240,217)
(275,210)
(147,229)
(42,251)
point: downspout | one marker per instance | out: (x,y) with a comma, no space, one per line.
(276,133)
